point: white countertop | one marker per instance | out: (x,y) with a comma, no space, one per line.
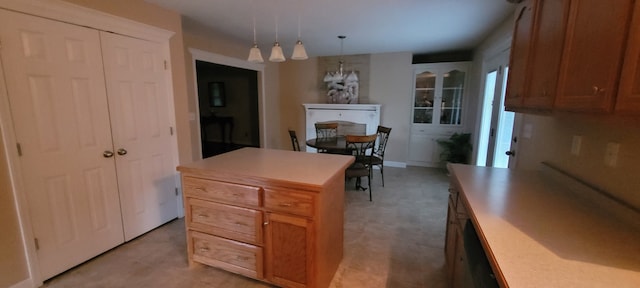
(537,235)
(275,165)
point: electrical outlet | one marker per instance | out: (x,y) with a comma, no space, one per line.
(576,143)
(611,154)
(527,131)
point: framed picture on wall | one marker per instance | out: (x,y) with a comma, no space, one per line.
(216,94)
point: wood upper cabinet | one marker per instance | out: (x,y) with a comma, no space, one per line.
(536,54)
(628,100)
(546,53)
(519,58)
(590,68)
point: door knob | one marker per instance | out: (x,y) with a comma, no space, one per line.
(107,154)
(122,151)
(511,153)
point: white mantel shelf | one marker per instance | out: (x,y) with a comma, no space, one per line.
(366,107)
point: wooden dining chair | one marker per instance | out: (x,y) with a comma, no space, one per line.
(326,130)
(294,140)
(378,152)
(362,148)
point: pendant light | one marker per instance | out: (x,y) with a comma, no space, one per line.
(338,76)
(299,53)
(254,54)
(276,51)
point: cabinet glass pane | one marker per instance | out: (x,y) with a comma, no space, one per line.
(426,79)
(423,115)
(424,97)
(452,92)
(453,78)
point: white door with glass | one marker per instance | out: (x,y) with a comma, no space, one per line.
(437,112)
(496,146)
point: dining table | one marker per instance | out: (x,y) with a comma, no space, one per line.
(334,145)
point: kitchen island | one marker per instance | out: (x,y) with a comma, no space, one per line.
(538,230)
(272,215)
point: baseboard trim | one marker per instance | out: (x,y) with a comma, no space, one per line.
(27,283)
(395,164)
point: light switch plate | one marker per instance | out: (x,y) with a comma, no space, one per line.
(611,154)
(527,131)
(576,143)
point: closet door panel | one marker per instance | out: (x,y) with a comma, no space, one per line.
(139,109)
(55,83)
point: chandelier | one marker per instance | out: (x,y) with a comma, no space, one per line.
(339,75)
(342,87)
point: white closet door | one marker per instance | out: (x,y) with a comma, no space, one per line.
(139,109)
(54,78)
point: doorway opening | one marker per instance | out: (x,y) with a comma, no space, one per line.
(228,106)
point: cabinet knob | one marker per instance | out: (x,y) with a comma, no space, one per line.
(510,153)
(107,154)
(122,152)
(597,90)
(265,223)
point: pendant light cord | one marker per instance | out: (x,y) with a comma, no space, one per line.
(254,29)
(299,17)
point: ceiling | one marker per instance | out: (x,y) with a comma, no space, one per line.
(371,26)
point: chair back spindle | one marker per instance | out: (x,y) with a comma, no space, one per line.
(294,140)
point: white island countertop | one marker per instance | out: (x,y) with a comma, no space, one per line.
(306,169)
(535,234)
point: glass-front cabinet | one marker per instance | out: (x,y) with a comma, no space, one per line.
(438,94)
(438,107)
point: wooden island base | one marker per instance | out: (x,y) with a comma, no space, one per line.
(272,215)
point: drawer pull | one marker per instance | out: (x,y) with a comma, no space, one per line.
(203,216)
(204,249)
(201,189)
(236,195)
(239,223)
(265,223)
(242,258)
(284,204)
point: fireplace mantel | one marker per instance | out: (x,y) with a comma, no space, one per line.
(368,114)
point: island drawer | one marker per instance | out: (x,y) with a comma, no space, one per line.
(236,194)
(227,221)
(289,201)
(231,255)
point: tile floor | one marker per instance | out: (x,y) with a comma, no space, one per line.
(395,241)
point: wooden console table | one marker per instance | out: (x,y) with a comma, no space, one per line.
(223,122)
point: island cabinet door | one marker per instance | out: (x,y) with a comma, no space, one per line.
(288,250)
